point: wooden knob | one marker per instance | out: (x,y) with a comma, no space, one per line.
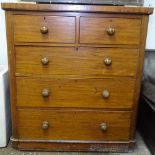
(103,126)
(106,94)
(45,93)
(45,125)
(45,61)
(44,30)
(107,61)
(110,31)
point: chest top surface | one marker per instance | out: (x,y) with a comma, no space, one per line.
(78,8)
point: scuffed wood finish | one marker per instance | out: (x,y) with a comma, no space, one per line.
(90,146)
(84,61)
(139,73)
(60,29)
(77,8)
(94,30)
(76,46)
(73,125)
(81,93)
(11,65)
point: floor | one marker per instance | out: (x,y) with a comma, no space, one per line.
(141,149)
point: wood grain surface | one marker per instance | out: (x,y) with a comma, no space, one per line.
(77,8)
(70,61)
(81,93)
(94,30)
(76,76)
(60,29)
(73,125)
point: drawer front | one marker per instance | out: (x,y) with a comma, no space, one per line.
(69,61)
(109,30)
(56,29)
(73,125)
(84,93)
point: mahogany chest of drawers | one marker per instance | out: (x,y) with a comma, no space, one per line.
(75,73)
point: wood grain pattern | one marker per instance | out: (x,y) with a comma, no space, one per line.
(94,30)
(76,46)
(11,65)
(60,29)
(139,73)
(70,61)
(84,93)
(77,8)
(73,125)
(117,146)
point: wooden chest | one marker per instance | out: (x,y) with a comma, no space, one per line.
(75,73)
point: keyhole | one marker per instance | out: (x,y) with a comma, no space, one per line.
(77,48)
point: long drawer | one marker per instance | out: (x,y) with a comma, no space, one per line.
(109,31)
(79,93)
(69,61)
(73,125)
(56,29)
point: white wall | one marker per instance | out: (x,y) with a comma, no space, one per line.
(3,47)
(3,50)
(150,44)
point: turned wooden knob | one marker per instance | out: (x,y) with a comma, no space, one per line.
(44,61)
(45,125)
(107,61)
(105,94)
(44,30)
(104,126)
(110,31)
(45,92)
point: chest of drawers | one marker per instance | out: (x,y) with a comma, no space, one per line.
(75,73)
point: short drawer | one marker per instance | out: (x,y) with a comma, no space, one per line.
(85,61)
(82,93)
(109,30)
(56,29)
(73,125)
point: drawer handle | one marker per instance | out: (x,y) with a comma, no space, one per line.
(107,61)
(104,126)
(45,125)
(44,29)
(106,94)
(110,31)
(45,61)
(45,92)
